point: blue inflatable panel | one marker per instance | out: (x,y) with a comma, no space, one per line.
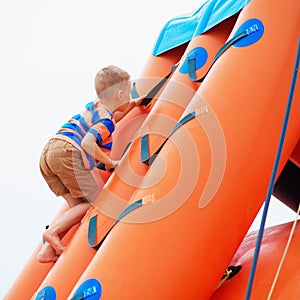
(182,29)
(90,289)
(47,293)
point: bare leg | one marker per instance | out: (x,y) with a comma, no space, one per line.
(47,254)
(53,235)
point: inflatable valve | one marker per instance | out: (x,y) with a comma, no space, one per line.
(229,273)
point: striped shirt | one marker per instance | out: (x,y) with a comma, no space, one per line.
(99,122)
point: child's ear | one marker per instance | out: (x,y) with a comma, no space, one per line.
(120,94)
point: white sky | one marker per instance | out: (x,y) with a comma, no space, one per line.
(49,54)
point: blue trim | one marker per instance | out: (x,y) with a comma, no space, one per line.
(74,127)
(95,114)
(182,29)
(109,124)
(82,122)
(90,160)
(110,114)
(107,146)
(96,118)
(90,106)
(77,133)
(96,134)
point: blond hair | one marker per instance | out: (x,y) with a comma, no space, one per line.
(108,78)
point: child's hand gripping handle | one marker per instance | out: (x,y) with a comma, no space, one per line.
(100,165)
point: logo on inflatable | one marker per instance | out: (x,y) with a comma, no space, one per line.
(90,289)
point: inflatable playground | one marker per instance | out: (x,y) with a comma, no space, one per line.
(219,134)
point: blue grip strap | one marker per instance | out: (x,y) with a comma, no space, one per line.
(149,97)
(192,60)
(92,230)
(145,155)
(134,93)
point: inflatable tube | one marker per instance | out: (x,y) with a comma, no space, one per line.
(198,196)
(171,103)
(78,249)
(164,115)
(169,107)
(274,242)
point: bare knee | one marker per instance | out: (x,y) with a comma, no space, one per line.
(73,201)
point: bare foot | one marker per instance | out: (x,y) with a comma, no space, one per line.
(47,254)
(53,239)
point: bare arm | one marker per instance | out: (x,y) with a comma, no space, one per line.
(118,115)
(89,145)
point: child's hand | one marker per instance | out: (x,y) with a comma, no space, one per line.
(138,101)
(108,166)
(112,165)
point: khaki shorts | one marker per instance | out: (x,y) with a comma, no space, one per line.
(62,167)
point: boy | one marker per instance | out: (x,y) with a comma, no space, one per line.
(68,158)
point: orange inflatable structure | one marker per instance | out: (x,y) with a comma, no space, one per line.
(273,280)
(220,126)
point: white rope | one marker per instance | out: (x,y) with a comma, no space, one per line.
(284,254)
